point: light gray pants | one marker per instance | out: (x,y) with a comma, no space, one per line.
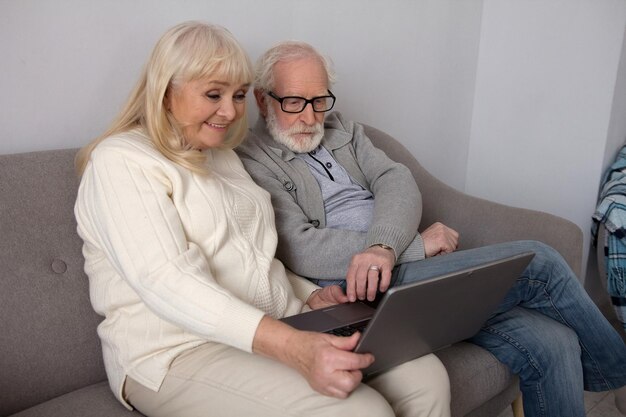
(215,380)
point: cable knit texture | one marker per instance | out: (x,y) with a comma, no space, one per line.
(174,258)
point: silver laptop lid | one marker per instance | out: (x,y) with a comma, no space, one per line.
(419,318)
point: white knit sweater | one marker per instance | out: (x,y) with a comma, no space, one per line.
(175,259)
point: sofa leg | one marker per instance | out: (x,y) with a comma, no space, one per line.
(518,407)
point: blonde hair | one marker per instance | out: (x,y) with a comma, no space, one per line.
(186,52)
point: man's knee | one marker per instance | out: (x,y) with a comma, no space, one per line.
(540,249)
(544,253)
(547,264)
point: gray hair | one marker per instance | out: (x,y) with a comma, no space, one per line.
(284,52)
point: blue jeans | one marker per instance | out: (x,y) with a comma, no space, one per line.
(547,330)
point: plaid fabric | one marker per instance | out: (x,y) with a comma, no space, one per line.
(611,211)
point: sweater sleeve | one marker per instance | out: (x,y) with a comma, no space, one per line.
(397,199)
(124,206)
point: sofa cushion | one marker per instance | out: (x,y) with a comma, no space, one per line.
(48,340)
(92,401)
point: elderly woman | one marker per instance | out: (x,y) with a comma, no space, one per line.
(179,248)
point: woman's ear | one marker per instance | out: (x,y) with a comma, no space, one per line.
(167,102)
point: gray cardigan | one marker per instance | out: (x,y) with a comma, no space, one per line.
(299,208)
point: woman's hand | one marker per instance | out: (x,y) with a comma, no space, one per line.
(326,297)
(326,362)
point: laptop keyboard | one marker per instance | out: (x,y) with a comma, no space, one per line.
(349,329)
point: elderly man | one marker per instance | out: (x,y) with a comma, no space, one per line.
(348,215)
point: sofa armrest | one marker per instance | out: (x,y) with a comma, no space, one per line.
(482,222)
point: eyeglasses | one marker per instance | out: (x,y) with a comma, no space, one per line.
(294,104)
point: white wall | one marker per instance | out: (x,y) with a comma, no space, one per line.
(546,79)
(518,101)
(404,66)
(617,125)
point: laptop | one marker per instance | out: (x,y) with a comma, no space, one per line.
(415,319)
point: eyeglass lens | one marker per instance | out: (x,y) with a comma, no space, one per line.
(297,104)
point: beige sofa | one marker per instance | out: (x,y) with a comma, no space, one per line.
(50,356)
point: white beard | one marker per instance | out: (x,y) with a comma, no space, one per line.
(288,137)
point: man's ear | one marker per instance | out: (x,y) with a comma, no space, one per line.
(261,102)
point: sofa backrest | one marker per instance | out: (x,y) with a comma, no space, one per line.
(479,221)
(48,340)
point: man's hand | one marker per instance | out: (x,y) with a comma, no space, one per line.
(369,271)
(439,239)
(326,297)
(326,362)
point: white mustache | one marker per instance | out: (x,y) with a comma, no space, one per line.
(316,128)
